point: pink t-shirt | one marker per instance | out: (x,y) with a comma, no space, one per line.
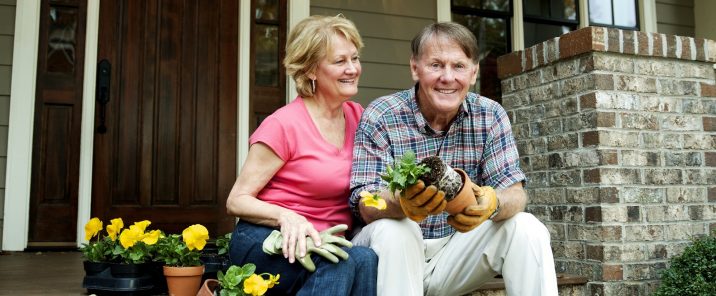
(314,180)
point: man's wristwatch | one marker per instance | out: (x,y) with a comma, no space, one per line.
(497,210)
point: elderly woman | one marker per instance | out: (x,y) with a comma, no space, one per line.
(293,188)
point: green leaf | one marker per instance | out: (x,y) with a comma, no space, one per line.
(404,173)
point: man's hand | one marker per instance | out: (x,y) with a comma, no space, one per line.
(472,216)
(418,201)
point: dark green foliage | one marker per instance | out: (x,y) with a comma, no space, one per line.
(404,173)
(173,252)
(222,243)
(235,275)
(693,272)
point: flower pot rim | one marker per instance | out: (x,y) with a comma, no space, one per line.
(183,270)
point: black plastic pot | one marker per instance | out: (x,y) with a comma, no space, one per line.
(124,279)
(92,268)
(212,265)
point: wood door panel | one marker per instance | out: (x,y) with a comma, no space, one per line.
(58,105)
(169,154)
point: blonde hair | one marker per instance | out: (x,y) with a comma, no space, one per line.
(310,41)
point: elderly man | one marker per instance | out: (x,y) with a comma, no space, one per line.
(421,249)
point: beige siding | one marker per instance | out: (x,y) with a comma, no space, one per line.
(7,30)
(386,28)
(704,20)
(675,17)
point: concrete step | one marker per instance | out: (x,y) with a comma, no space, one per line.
(568,285)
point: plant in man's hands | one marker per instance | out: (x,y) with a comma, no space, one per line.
(184,249)
(242,281)
(404,173)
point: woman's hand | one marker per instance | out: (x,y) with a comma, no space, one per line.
(294,229)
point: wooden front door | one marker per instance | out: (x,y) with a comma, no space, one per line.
(58,112)
(165,141)
(268,48)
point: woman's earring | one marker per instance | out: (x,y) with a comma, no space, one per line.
(313,86)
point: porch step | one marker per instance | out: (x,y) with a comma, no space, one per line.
(567,284)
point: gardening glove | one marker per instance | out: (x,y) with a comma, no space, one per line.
(330,244)
(472,216)
(329,248)
(418,201)
(273,245)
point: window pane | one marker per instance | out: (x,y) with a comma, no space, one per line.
(267,10)
(467,3)
(600,11)
(564,9)
(536,7)
(536,33)
(267,66)
(554,9)
(62,40)
(625,13)
(491,34)
(499,5)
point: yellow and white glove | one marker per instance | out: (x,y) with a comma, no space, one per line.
(419,201)
(472,216)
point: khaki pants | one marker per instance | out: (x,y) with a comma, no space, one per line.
(518,248)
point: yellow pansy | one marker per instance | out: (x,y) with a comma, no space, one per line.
(130,236)
(92,228)
(273,280)
(255,285)
(142,225)
(151,237)
(114,228)
(373,200)
(195,236)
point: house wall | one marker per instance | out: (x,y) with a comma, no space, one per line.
(704,19)
(7,30)
(675,17)
(616,132)
(386,28)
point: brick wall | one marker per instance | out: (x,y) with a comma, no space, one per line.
(617,134)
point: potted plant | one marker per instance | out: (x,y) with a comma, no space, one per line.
(405,172)
(239,281)
(215,256)
(135,250)
(180,255)
(119,262)
(97,252)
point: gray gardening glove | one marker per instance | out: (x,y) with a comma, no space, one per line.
(332,242)
(328,249)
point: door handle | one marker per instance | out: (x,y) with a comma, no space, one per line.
(104,75)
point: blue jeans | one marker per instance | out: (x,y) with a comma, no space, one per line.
(355,276)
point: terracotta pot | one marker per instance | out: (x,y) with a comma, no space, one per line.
(464,197)
(183,281)
(208,288)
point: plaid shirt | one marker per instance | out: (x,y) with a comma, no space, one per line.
(479,141)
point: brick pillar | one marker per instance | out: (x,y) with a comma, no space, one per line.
(617,134)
